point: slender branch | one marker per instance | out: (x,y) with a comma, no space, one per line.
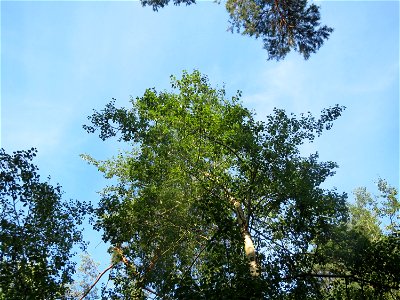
(126,261)
(96,281)
(128,264)
(195,259)
(200,252)
(154,260)
(272,241)
(226,147)
(14,198)
(282,20)
(249,202)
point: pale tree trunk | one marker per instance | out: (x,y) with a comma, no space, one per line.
(244,228)
(248,242)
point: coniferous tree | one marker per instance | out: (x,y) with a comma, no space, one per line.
(283,25)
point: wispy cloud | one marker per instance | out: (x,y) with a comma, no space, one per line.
(290,85)
(35,123)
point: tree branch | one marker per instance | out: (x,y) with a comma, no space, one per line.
(226,147)
(96,281)
(128,264)
(126,261)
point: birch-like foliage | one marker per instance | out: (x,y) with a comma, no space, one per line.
(201,174)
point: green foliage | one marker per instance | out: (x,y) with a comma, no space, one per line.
(365,251)
(364,217)
(283,25)
(390,206)
(37,231)
(195,157)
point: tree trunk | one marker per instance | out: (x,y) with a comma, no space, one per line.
(244,228)
(248,242)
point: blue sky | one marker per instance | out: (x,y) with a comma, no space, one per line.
(60,60)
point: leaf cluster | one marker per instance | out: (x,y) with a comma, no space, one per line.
(37,231)
(364,252)
(171,214)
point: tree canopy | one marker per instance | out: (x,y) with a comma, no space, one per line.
(365,251)
(210,203)
(283,25)
(37,231)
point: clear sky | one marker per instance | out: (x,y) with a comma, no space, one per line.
(60,60)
